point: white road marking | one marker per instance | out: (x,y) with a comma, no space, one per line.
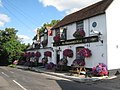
(19,85)
(5,74)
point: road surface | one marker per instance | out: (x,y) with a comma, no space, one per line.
(17,79)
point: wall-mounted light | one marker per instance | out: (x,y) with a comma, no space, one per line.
(96,32)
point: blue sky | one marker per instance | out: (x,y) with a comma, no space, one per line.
(27,15)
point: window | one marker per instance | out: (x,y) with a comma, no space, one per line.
(45,36)
(57,32)
(63,34)
(80,25)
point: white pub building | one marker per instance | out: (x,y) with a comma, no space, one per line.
(95,28)
(100,33)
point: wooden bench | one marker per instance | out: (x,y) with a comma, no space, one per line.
(77,69)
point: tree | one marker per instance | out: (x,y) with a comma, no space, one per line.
(52,23)
(10,45)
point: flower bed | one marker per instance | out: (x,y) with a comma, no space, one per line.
(100,70)
(68,53)
(79,34)
(48,54)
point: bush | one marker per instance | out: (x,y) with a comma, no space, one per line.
(12,65)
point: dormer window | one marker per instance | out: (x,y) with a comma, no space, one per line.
(80,25)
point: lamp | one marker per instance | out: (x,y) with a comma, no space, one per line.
(59,49)
(99,34)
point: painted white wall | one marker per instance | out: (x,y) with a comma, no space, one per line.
(99,50)
(70,30)
(113,35)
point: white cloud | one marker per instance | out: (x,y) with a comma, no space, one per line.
(1,3)
(4,19)
(25,39)
(68,6)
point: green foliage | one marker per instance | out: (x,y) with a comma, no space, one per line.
(52,23)
(12,65)
(11,46)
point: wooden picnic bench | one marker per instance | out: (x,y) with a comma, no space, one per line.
(77,69)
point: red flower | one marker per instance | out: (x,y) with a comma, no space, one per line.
(56,38)
(68,53)
(48,53)
(37,54)
(86,52)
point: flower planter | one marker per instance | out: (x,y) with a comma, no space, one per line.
(56,38)
(79,34)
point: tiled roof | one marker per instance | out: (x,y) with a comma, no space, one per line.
(90,11)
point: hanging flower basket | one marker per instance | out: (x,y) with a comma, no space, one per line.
(44,43)
(27,54)
(38,54)
(32,54)
(100,70)
(48,54)
(79,34)
(86,52)
(68,53)
(56,38)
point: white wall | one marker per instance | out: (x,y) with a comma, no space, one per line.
(70,30)
(113,30)
(99,51)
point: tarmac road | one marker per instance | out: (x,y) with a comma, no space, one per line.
(17,79)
